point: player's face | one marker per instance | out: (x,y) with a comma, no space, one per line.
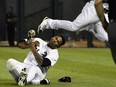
(55,41)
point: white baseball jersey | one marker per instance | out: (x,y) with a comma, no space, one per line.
(35,73)
(44,51)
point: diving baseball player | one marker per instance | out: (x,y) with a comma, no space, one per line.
(87,18)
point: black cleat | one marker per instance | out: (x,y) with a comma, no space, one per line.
(45,82)
(22,79)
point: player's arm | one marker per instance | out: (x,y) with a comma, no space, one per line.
(23,45)
(98,1)
(100,12)
(35,53)
(42,61)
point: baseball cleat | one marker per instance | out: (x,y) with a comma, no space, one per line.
(22,79)
(45,82)
(42,26)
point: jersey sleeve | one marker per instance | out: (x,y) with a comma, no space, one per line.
(53,56)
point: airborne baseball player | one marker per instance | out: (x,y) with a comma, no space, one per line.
(42,56)
(87,18)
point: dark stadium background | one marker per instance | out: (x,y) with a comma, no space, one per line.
(31,12)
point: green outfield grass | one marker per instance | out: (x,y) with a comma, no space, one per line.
(88,67)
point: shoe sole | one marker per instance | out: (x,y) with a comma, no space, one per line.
(40,30)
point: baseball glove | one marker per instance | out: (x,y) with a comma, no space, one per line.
(65,79)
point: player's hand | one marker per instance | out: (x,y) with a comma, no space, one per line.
(36,43)
(33,44)
(30,35)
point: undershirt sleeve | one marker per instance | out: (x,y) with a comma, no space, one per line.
(46,62)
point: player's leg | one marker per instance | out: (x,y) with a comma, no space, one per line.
(35,75)
(14,67)
(32,71)
(57,24)
(87,16)
(23,77)
(100,34)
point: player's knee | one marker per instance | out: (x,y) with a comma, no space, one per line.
(10,64)
(10,60)
(75,27)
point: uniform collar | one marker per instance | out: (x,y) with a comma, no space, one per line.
(51,46)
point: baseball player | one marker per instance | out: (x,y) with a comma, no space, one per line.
(41,57)
(87,18)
